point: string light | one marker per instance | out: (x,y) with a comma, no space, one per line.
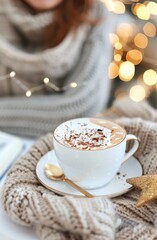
(46,83)
(12,74)
(28,93)
(129,45)
(46,80)
(73,85)
(54,87)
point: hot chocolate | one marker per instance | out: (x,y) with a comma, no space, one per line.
(90,150)
(89,134)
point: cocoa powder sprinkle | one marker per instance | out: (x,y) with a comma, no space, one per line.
(87,138)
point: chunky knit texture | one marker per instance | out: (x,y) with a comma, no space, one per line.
(56,217)
(82,57)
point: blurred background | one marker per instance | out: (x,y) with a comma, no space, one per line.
(133,70)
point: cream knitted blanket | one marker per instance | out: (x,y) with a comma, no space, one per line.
(55,217)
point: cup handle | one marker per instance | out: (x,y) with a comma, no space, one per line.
(134,147)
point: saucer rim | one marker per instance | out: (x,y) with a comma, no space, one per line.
(82,196)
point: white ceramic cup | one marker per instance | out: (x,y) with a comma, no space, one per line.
(95,167)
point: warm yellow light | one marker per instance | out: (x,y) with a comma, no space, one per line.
(149,29)
(73,85)
(113,70)
(137,93)
(125,30)
(113,39)
(119,7)
(12,74)
(142,12)
(141,40)
(126,71)
(117,57)
(46,80)
(118,46)
(152,8)
(28,93)
(150,77)
(134,56)
(134,8)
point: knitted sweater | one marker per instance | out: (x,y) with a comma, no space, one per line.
(82,58)
(60,218)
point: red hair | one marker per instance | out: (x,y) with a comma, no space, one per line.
(68,15)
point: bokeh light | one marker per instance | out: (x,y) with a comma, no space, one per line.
(113,70)
(142,12)
(134,56)
(141,40)
(117,57)
(119,7)
(118,46)
(150,77)
(152,7)
(28,94)
(73,85)
(12,74)
(113,38)
(46,80)
(130,41)
(137,93)
(126,71)
(125,30)
(149,29)
(134,8)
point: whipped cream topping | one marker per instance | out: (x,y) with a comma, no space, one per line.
(85,136)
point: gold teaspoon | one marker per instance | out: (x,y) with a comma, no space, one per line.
(55,173)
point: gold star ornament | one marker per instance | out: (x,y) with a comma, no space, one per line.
(148,185)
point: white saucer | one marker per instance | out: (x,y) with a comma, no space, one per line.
(118,186)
